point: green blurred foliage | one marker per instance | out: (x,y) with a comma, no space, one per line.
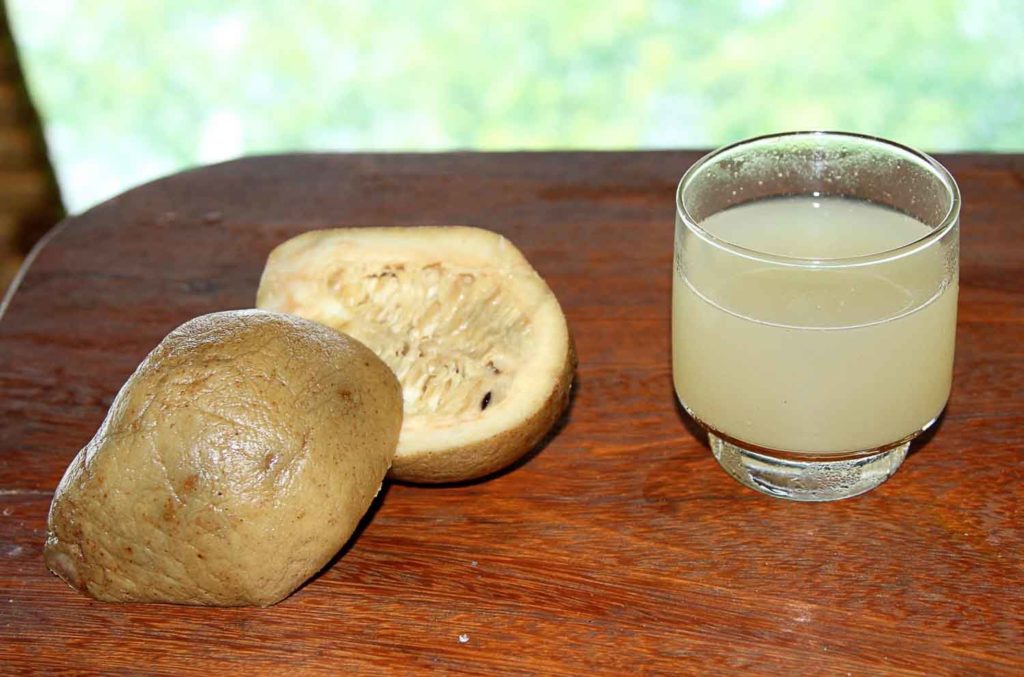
(133,89)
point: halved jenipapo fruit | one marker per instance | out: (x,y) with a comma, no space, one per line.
(475,336)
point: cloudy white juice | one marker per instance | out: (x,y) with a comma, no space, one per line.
(816,359)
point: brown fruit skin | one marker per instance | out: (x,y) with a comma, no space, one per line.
(233,464)
(488,456)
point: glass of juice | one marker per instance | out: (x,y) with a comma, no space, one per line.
(814,307)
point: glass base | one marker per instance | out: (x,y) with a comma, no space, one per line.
(813,480)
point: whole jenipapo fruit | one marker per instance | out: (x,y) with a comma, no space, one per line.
(233,464)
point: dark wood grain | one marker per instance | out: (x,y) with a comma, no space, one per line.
(621,547)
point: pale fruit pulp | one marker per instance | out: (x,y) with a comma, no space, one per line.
(473,333)
(825,360)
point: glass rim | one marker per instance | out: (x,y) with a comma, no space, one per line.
(923,242)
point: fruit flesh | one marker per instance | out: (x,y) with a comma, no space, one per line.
(473,333)
(452,337)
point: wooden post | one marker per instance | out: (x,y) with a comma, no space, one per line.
(29,198)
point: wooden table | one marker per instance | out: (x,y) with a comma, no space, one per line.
(621,547)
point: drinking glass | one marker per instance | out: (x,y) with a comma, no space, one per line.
(814,307)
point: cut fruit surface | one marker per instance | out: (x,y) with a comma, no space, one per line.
(473,333)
